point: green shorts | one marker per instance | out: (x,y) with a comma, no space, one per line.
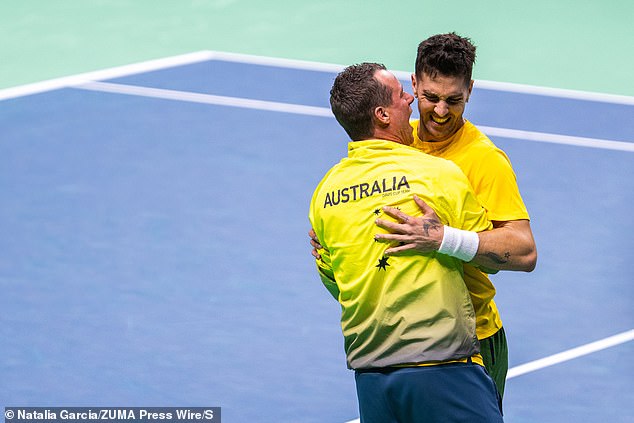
(495,354)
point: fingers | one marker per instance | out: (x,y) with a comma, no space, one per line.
(405,218)
(400,249)
(423,206)
(314,242)
(396,213)
(313,239)
(394,227)
(389,238)
(401,243)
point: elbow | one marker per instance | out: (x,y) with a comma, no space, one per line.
(530,266)
(530,261)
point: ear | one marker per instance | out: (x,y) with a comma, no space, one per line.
(381,116)
(414,85)
(470,89)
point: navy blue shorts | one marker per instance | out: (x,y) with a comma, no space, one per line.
(448,393)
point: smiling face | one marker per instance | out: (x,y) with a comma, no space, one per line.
(441,103)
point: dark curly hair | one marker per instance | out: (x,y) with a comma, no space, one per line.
(354,96)
(446,54)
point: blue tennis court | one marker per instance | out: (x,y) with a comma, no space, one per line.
(155,251)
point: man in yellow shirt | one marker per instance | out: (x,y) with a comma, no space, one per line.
(442,84)
(408,321)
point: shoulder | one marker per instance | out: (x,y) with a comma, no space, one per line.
(428,161)
(479,143)
(473,137)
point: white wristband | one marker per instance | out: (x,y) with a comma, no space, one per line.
(460,244)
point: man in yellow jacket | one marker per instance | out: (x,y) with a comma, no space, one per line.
(408,321)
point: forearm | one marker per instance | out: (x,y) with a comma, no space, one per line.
(508,246)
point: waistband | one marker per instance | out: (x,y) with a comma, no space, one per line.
(475,359)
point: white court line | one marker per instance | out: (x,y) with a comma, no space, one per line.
(557,139)
(571,354)
(86,81)
(205,98)
(325,112)
(116,72)
(480,83)
(586,349)
(554,92)
(277,62)
(205,55)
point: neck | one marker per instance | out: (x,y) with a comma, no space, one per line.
(390,136)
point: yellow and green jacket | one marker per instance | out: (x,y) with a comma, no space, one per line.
(395,311)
